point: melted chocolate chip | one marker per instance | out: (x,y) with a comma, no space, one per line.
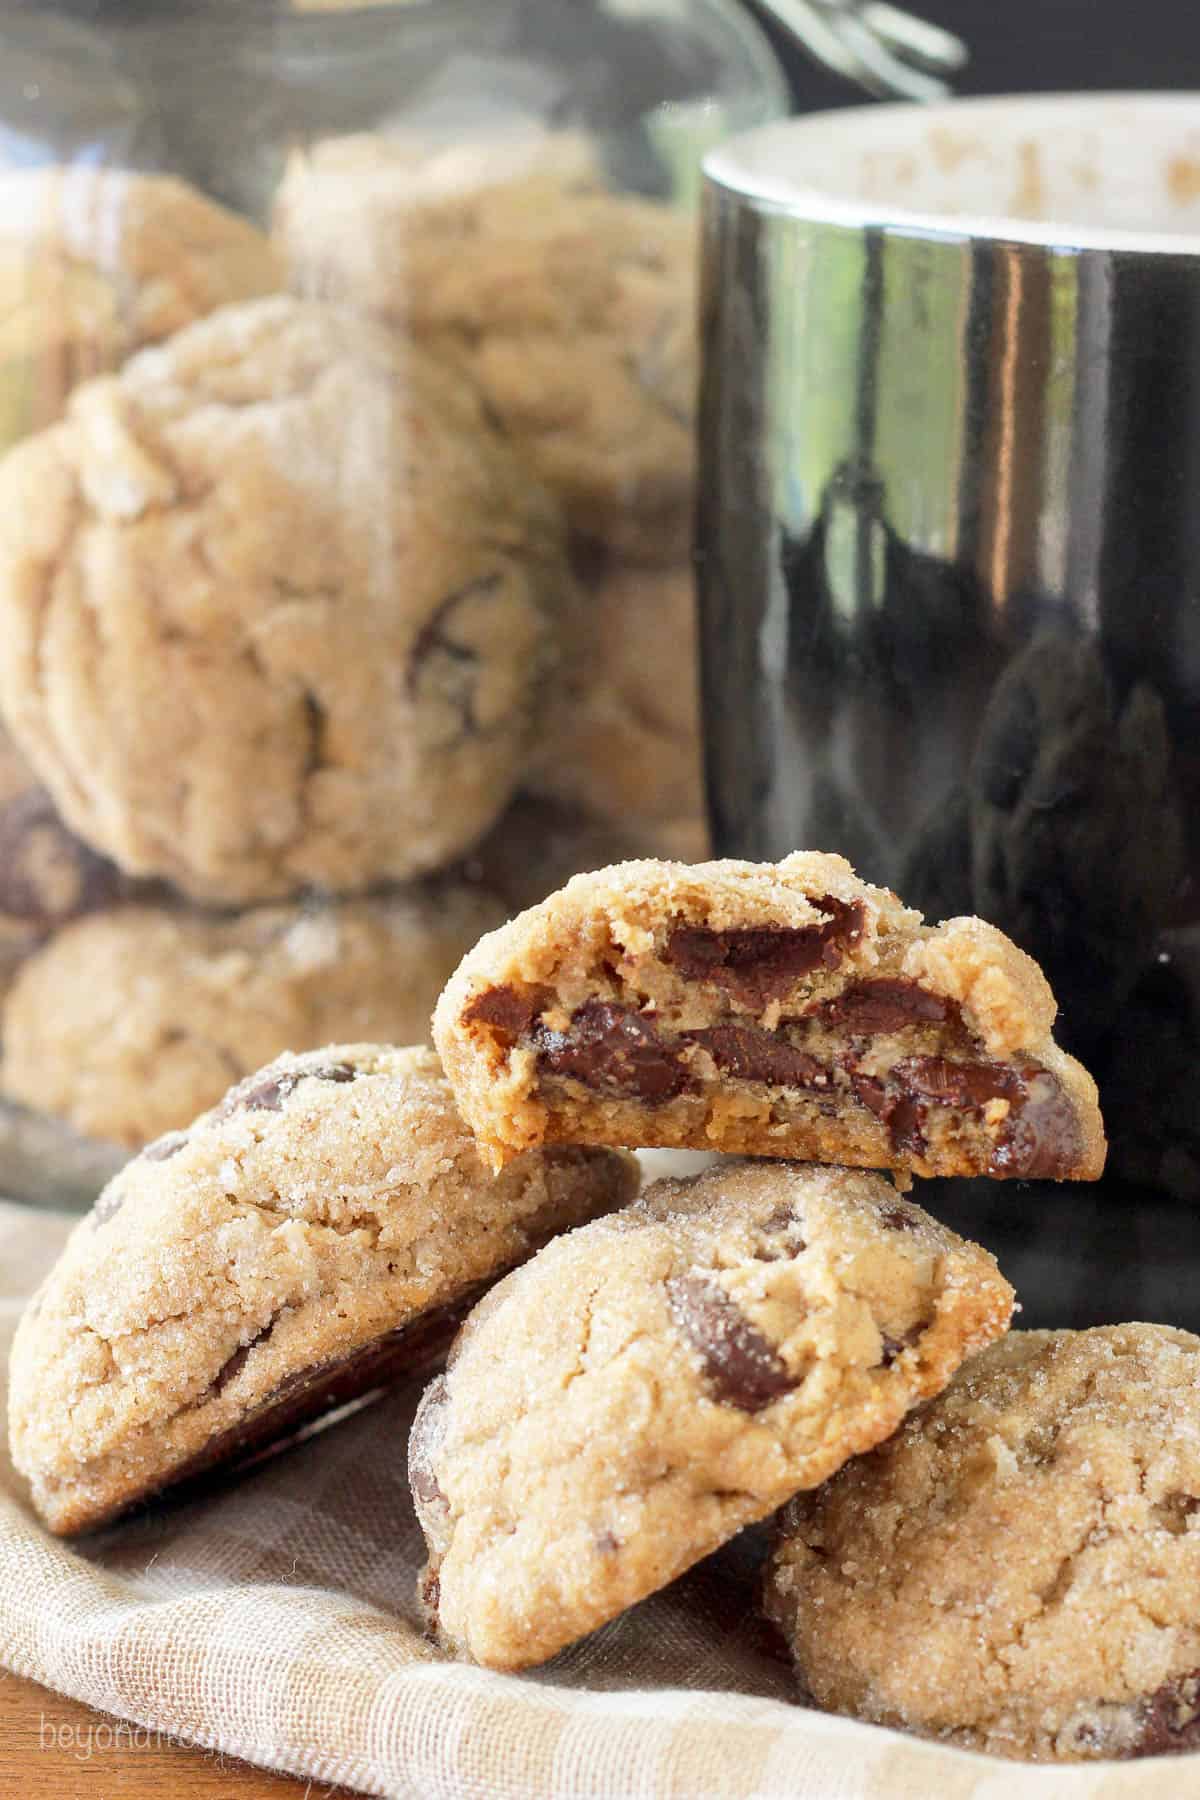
(509,1013)
(896,1219)
(1041,1140)
(428,1429)
(896,1110)
(900,1102)
(946,1083)
(1038,1140)
(751,1054)
(743,1368)
(904,1122)
(47,875)
(613,1051)
(269,1094)
(1170,1719)
(876,1006)
(760,964)
(164,1148)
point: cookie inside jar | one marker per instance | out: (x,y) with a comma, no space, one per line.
(347,403)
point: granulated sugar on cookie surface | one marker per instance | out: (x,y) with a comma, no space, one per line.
(315,1235)
(1017,1570)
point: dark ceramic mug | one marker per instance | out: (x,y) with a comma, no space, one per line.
(949,542)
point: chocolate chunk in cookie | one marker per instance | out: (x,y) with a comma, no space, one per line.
(740,1364)
(1017,1570)
(653,1382)
(290,1252)
(788,1010)
(267,1093)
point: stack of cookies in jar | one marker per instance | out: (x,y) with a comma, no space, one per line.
(981,1536)
(345,601)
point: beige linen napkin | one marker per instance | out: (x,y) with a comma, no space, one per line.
(275,1620)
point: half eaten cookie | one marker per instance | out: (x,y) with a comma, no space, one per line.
(785,1010)
(651,1383)
(319,1233)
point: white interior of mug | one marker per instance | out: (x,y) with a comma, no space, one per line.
(1109,171)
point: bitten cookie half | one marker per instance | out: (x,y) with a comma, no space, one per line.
(1018,1569)
(314,1236)
(775,1010)
(649,1384)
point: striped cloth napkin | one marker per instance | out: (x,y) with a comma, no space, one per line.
(275,1620)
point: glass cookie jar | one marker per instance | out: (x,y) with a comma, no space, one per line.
(347,364)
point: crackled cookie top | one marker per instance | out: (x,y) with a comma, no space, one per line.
(308,1238)
(573,308)
(649,1384)
(777,1010)
(94,264)
(1018,1569)
(131,1023)
(328,591)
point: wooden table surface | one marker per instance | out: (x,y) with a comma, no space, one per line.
(55,1749)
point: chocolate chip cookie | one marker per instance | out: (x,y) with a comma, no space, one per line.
(330,598)
(571,307)
(621,736)
(776,1010)
(128,1024)
(94,264)
(315,1235)
(1018,1569)
(648,1385)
